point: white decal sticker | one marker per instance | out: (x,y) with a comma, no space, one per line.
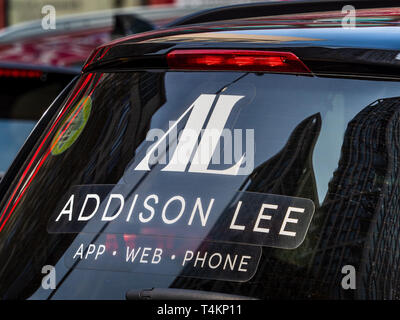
(205,152)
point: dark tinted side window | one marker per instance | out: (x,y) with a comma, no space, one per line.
(23,101)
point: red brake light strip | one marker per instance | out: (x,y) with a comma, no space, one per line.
(235,60)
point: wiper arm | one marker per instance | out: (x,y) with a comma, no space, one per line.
(180,294)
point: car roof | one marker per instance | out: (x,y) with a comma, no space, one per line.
(103,19)
(275,8)
(322,26)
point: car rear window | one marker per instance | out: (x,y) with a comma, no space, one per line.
(263,185)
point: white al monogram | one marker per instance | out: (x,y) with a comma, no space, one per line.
(201,160)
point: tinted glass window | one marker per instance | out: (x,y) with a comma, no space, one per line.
(228,164)
(13,133)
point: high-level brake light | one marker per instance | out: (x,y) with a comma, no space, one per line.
(235,60)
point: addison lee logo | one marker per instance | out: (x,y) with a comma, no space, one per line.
(194,156)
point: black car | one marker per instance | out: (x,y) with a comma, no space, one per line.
(244,152)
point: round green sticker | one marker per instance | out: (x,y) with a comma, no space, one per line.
(72,127)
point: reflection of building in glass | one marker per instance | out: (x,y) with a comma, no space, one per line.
(359,218)
(289,172)
(358,223)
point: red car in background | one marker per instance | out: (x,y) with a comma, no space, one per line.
(77,35)
(36,64)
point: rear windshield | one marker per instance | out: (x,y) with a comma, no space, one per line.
(261,185)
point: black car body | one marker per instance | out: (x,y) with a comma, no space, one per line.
(119,189)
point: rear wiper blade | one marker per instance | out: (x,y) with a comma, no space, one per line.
(180,294)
